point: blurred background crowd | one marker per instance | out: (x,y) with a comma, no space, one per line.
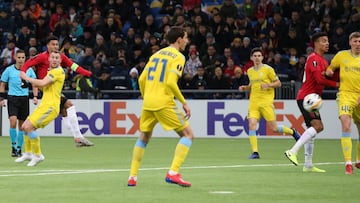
(114,38)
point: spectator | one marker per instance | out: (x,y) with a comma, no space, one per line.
(200,76)
(110,27)
(265,7)
(68,49)
(100,45)
(8,53)
(23,37)
(227,54)
(339,40)
(247,9)
(79,51)
(134,83)
(196,11)
(208,60)
(41,30)
(34,10)
(292,40)
(185,84)
(189,5)
(55,17)
(200,94)
(282,68)
(228,9)
(87,59)
(62,30)
(219,82)
(192,63)
(210,41)
(104,83)
(120,80)
(244,50)
(87,39)
(230,69)
(238,80)
(76,29)
(168,6)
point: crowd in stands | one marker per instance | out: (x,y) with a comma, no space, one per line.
(114,38)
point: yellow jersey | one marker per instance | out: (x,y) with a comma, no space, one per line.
(349,66)
(52,93)
(158,81)
(265,74)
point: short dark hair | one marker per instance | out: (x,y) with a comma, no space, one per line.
(256,49)
(317,35)
(51,38)
(174,33)
(19,51)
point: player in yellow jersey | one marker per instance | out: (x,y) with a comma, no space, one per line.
(348,63)
(158,87)
(48,109)
(263,81)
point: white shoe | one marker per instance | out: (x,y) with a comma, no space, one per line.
(36,159)
(25,157)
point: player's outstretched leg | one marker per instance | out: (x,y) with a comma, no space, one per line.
(72,123)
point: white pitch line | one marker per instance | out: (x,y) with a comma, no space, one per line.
(13,173)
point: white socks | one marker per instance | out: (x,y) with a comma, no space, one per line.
(72,123)
(308,151)
(304,138)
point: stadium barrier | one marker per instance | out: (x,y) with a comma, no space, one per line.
(210,119)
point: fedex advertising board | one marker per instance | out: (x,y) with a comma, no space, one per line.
(210,118)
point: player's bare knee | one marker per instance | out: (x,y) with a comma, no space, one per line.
(68,104)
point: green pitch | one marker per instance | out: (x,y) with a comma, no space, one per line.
(217,168)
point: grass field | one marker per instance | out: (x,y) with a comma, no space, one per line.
(217,168)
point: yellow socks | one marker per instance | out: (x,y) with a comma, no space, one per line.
(181,151)
(138,154)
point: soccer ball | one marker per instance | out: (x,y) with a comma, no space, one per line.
(312,102)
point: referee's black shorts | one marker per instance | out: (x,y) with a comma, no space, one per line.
(18,106)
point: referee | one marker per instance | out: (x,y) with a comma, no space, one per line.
(17,100)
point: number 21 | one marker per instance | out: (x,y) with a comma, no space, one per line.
(156,65)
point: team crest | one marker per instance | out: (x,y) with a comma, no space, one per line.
(315,63)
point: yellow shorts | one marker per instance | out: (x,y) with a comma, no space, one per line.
(348,105)
(170,118)
(257,111)
(43,115)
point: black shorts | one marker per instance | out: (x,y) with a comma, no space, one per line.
(63,101)
(18,106)
(308,116)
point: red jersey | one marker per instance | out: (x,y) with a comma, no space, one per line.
(314,81)
(41,61)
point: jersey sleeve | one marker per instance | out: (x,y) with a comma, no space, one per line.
(30,72)
(317,72)
(5,75)
(175,72)
(272,75)
(36,60)
(69,64)
(335,62)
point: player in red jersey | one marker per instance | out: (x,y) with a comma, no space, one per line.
(314,81)
(67,109)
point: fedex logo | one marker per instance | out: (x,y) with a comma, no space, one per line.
(235,124)
(106,122)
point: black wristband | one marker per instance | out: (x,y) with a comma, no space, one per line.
(2,95)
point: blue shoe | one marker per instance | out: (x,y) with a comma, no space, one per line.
(254,155)
(295,134)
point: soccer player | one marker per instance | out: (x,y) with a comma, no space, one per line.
(348,63)
(158,87)
(18,100)
(263,82)
(314,81)
(48,109)
(67,109)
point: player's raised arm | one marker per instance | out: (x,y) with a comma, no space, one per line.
(66,62)
(34,61)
